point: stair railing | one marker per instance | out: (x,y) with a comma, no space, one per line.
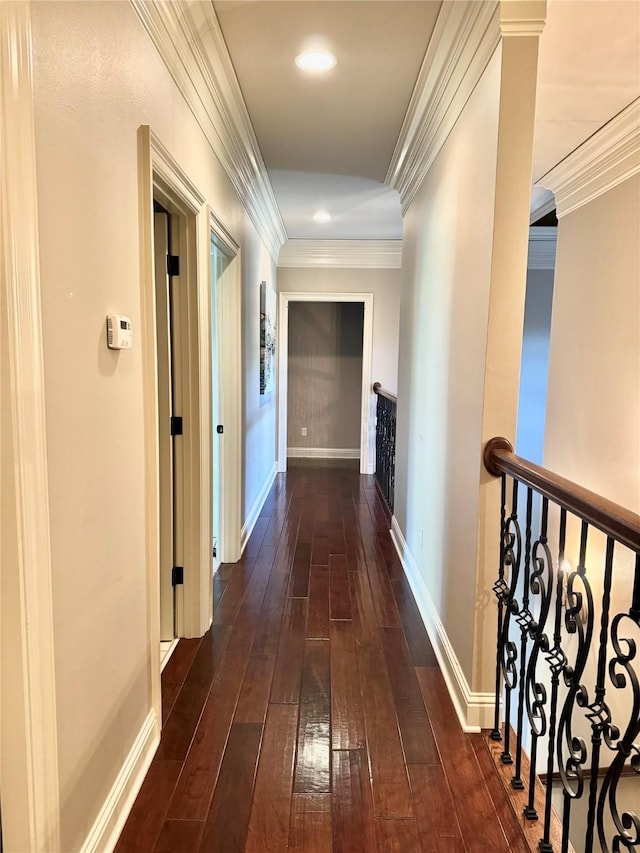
(385,443)
(567,680)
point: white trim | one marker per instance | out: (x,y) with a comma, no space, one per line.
(542,202)
(474,710)
(190,42)
(107,827)
(323,453)
(464,39)
(367,409)
(256,509)
(606,159)
(30,739)
(230,396)
(542,248)
(343,254)
(167,648)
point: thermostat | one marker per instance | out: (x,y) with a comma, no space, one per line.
(119,334)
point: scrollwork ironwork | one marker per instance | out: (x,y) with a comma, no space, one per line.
(621,674)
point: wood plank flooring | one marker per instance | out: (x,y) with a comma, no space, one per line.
(313,717)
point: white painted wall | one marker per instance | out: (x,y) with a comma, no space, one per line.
(385,284)
(593,409)
(443,336)
(97,79)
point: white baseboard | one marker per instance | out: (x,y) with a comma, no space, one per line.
(474,710)
(107,827)
(323,453)
(256,509)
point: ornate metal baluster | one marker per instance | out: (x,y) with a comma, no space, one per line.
(571,768)
(536,692)
(599,714)
(525,621)
(621,672)
(386,447)
(512,557)
(557,661)
(501,589)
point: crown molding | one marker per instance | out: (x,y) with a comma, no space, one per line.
(542,248)
(606,159)
(522,17)
(464,39)
(543,202)
(361,254)
(188,38)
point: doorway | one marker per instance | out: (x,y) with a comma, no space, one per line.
(366,446)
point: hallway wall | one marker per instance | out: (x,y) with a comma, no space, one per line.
(593,404)
(385,284)
(447,251)
(97,79)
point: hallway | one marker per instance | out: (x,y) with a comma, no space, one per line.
(313,715)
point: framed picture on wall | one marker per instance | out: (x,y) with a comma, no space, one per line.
(267,339)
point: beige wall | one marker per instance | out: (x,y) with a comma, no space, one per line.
(385,286)
(324,388)
(97,79)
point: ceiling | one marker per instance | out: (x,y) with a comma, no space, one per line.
(327,140)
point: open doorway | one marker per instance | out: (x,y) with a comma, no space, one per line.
(362,446)
(324,380)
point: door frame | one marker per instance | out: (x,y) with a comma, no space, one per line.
(367,410)
(28,732)
(229,340)
(160,176)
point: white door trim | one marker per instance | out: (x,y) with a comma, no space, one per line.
(28,734)
(367,435)
(230,392)
(161,175)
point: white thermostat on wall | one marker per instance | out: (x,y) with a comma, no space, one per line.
(119,334)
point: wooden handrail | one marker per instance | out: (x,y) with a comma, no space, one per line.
(382,392)
(613,519)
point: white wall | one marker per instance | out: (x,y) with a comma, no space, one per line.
(386,287)
(443,335)
(593,410)
(97,79)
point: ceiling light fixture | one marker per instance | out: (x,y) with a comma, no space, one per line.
(322,216)
(316,60)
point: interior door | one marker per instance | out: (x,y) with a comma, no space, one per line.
(165,409)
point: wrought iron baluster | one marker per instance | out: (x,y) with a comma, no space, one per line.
(536,691)
(512,559)
(501,589)
(572,767)
(525,621)
(557,661)
(599,714)
(622,672)
(386,447)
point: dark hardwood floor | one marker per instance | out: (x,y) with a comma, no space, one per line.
(313,716)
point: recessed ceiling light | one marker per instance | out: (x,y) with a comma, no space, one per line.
(322,216)
(316,60)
